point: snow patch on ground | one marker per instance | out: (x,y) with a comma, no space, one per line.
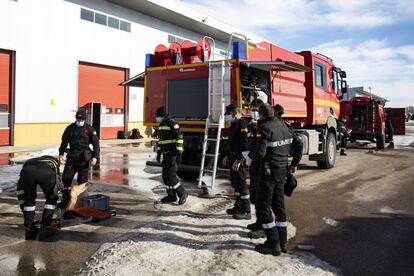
(9,175)
(391,211)
(330,222)
(197,239)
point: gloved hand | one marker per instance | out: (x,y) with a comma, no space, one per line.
(225,161)
(236,165)
(62,159)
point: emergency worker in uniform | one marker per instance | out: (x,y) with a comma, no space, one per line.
(42,171)
(343,134)
(390,133)
(237,145)
(78,136)
(275,141)
(171,146)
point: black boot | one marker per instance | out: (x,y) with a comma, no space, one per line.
(182,195)
(46,231)
(283,238)
(245,210)
(65,198)
(30,229)
(271,245)
(254,226)
(257,234)
(171,197)
(235,208)
(343,152)
(391,145)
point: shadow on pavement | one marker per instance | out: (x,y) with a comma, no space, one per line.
(369,246)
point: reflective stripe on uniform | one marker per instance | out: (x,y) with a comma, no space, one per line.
(50,206)
(281,223)
(177,185)
(244,130)
(180,141)
(237,194)
(269,225)
(180,148)
(29,208)
(164,128)
(165,142)
(245,197)
(20,192)
(280,143)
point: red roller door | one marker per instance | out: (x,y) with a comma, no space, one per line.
(5,59)
(99,83)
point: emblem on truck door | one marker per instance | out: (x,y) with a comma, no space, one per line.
(187,70)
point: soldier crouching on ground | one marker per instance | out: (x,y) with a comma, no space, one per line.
(42,171)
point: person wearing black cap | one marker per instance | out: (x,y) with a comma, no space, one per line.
(78,135)
(237,142)
(170,142)
(274,142)
(42,171)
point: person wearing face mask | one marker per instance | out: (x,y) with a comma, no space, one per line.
(237,145)
(170,142)
(42,171)
(78,135)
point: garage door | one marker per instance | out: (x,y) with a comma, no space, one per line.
(99,83)
(5,58)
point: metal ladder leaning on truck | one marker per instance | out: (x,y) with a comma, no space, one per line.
(195,90)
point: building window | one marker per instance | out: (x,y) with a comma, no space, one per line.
(320,76)
(87,15)
(113,22)
(105,20)
(100,18)
(125,26)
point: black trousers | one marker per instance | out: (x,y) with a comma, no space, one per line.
(343,139)
(32,175)
(254,171)
(73,166)
(169,170)
(238,180)
(270,197)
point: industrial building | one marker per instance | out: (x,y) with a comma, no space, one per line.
(59,55)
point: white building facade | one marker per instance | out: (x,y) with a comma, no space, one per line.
(57,55)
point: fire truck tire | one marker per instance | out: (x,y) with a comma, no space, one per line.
(330,153)
(381,142)
(187,175)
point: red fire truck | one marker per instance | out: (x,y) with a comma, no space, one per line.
(366,118)
(306,84)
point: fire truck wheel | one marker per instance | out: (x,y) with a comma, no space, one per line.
(381,142)
(330,153)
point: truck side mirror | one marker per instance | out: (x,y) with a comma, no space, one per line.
(342,74)
(344,87)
